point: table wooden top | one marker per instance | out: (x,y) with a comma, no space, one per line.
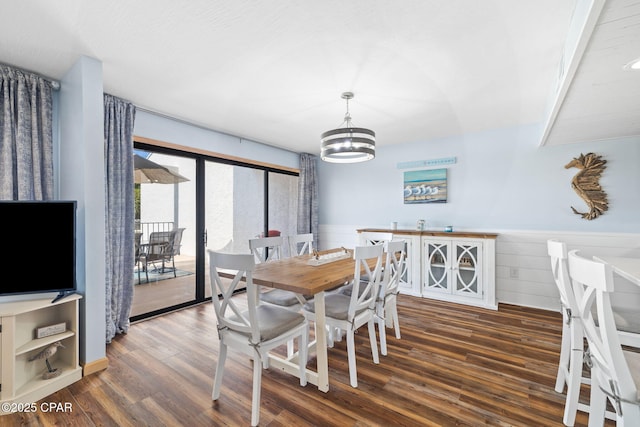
(294,274)
(629,268)
(434,233)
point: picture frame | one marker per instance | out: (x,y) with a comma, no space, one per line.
(425,186)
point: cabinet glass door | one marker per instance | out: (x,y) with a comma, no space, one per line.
(465,266)
(436,266)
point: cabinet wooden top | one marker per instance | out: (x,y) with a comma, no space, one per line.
(15,308)
(467,234)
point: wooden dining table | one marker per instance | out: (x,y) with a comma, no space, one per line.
(626,267)
(295,274)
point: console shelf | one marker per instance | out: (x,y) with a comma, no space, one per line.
(42,342)
(22,380)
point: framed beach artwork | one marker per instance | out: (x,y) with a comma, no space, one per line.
(425,186)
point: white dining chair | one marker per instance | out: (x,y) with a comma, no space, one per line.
(267,249)
(615,373)
(367,238)
(348,313)
(300,244)
(256,331)
(386,303)
(570,364)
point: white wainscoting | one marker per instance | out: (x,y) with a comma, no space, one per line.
(523,269)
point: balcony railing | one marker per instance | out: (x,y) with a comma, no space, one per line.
(146,228)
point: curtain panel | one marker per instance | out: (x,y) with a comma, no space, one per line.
(308,196)
(26,132)
(119,117)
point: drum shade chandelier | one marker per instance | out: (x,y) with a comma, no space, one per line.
(348,144)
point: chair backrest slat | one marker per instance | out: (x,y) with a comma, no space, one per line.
(365,293)
(557,251)
(393,267)
(367,238)
(266,248)
(300,244)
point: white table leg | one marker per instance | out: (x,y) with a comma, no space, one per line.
(320,377)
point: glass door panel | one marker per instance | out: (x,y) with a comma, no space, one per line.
(234,209)
(467,261)
(283,204)
(437,266)
(165,215)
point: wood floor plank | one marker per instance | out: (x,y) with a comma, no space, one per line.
(455,365)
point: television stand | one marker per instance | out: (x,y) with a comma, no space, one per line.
(24,376)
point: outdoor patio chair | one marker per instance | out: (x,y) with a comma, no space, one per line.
(163,246)
(139,256)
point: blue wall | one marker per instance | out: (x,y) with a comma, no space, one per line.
(164,129)
(80,176)
(502,180)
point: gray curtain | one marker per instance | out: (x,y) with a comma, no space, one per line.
(308,196)
(26,144)
(119,116)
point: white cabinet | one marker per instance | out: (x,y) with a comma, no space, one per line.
(22,380)
(459,269)
(457,266)
(453,270)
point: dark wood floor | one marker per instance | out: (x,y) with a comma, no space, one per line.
(455,365)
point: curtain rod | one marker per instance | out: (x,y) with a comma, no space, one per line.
(54,83)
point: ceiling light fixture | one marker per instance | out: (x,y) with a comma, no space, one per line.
(633,65)
(348,144)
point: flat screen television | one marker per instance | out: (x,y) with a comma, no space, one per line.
(38,249)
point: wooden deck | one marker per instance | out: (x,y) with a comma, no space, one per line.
(156,295)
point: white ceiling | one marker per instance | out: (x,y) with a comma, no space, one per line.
(602,99)
(273,71)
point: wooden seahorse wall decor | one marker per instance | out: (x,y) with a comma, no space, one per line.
(586,184)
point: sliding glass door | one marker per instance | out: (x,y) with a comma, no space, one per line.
(165,193)
(214,204)
(282,211)
(234,208)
